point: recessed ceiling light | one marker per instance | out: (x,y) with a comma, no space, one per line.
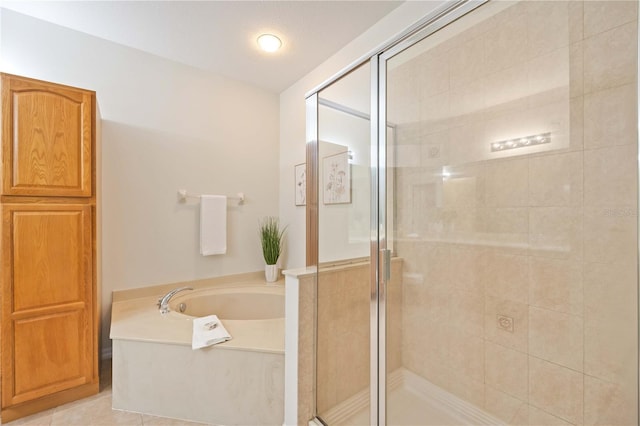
(269,43)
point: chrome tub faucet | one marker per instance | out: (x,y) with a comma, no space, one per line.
(163,302)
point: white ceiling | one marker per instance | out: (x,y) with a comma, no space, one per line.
(220,35)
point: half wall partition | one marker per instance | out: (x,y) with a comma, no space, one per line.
(476,221)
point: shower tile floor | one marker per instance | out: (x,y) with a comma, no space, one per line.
(406,408)
(95,410)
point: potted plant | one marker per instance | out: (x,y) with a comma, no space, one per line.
(271,239)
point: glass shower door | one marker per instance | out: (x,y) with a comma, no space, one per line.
(494,278)
(511,210)
(343,341)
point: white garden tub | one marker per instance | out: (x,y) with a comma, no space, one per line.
(232,303)
(241,381)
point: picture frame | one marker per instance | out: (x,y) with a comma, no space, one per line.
(336,179)
(300,179)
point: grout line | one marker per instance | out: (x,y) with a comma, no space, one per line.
(582,123)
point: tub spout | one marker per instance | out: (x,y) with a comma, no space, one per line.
(163,302)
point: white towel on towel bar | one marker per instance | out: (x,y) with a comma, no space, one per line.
(213,224)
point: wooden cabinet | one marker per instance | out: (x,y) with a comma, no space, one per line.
(48,322)
(46,310)
(47,139)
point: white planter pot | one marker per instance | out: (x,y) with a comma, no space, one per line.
(271,273)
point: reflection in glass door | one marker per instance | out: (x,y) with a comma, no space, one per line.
(343,284)
(517,283)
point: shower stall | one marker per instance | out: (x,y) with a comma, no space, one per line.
(473,200)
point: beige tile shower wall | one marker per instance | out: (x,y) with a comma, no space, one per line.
(547,240)
(343,341)
(306,348)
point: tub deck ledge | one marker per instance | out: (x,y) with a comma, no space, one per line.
(140,320)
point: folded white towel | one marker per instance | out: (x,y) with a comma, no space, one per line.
(213,224)
(208,331)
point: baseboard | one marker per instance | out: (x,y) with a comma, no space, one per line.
(50,401)
(466,412)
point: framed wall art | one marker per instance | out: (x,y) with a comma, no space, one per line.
(301,184)
(336,179)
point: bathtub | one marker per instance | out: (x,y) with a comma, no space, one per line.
(241,381)
(231,303)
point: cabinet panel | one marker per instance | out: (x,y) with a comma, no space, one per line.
(47,138)
(49,265)
(47,322)
(49,352)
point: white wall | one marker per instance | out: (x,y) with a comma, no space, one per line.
(168,126)
(292,114)
(165,126)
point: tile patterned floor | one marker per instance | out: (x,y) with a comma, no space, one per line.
(95,411)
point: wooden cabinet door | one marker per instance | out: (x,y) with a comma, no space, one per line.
(47,301)
(47,134)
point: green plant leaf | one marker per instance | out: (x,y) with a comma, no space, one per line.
(271,238)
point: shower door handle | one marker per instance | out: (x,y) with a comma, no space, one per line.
(385,262)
